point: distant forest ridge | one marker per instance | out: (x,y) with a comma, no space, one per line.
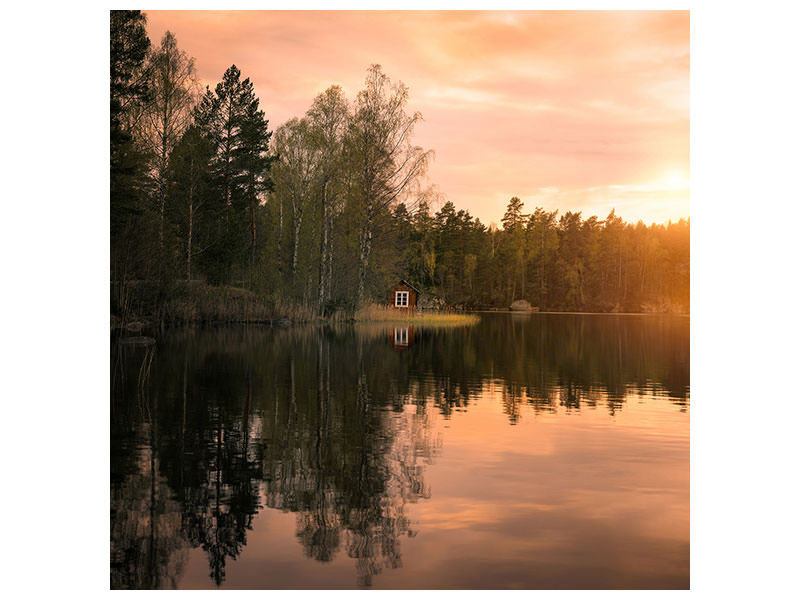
(330,210)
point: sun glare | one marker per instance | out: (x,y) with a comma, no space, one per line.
(676,179)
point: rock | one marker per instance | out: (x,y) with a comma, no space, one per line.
(522,306)
(430,302)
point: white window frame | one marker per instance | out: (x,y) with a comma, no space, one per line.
(401,336)
(401,299)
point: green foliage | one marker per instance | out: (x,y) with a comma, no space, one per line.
(188,195)
(565,263)
(231,120)
(384,166)
(131,223)
(162,121)
(129,45)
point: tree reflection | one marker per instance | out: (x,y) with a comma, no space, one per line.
(147,546)
(333,425)
(339,459)
(218,461)
(207,455)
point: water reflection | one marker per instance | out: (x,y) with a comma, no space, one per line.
(402,337)
(334,426)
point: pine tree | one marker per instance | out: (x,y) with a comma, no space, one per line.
(129,45)
(231,119)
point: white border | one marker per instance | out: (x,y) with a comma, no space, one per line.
(54,236)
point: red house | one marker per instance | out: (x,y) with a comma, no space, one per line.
(404,296)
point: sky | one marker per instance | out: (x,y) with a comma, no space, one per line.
(568,110)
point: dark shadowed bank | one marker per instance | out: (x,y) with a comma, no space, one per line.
(141,304)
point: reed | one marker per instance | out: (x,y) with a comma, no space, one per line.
(376,313)
(198,302)
(202,303)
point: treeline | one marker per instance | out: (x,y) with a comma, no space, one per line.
(330,210)
(555,262)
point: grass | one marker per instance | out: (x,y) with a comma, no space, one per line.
(196,302)
(203,303)
(375,313)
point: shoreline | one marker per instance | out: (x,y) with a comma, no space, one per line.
(432,319)
(144,303)
(578,312)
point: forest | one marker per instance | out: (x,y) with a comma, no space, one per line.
(325,213)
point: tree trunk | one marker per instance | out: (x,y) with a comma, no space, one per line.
(364,247)
(329,275)
(162,173)
(323,251)
(252,232)
(161,207)
(191,224)
(280,237)
(189,244)
(298,220)
(541,271)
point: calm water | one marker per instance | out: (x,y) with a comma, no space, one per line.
(538,451)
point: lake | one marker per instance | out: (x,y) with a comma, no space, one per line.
(536,451)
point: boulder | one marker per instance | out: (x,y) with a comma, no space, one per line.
(430,302)
(521,306)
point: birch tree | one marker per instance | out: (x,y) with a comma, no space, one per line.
(294,174)
(384,164)
(174,92)
(328,119)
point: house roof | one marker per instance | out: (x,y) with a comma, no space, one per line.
(413,287)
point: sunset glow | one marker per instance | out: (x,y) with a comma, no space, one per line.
(580,111)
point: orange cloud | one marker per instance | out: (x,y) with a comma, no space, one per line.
(593,104)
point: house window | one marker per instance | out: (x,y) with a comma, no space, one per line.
(401,298)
